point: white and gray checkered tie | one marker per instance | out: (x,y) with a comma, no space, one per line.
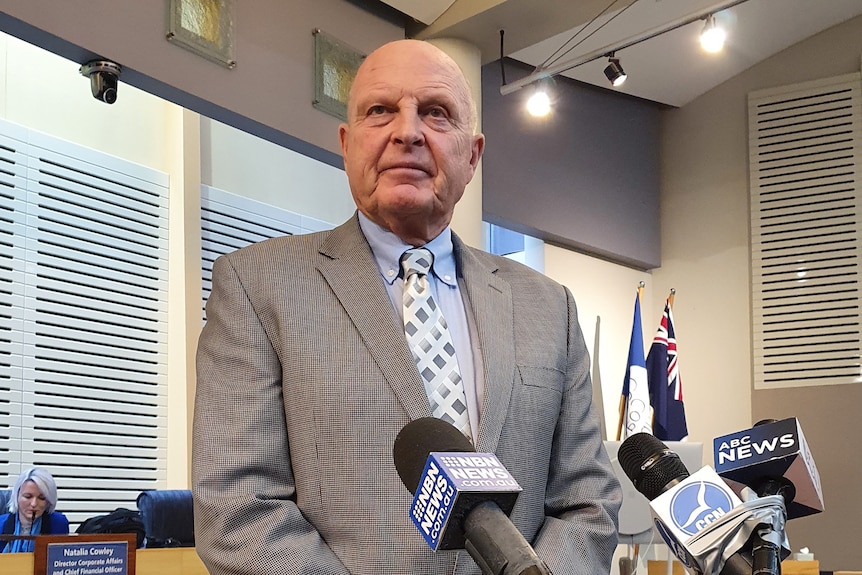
(429,339)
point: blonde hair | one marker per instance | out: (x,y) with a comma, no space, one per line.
(43,480)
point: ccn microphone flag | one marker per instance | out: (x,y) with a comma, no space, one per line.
(665,382)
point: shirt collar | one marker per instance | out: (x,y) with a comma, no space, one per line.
(387,249)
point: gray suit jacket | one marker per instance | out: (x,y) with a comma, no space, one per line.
(304,379)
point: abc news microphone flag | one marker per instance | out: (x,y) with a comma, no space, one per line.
(635,412)
(665,383)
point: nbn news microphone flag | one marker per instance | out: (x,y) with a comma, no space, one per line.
(665,383)
(637,413)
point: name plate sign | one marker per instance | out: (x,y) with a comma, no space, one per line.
(96,554)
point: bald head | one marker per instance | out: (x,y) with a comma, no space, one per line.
(419,53)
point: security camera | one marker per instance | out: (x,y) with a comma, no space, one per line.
(103,79)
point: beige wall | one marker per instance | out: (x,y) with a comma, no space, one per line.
(705,252)
(605,296)
(243,164)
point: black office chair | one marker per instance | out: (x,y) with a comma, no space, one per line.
(168,517)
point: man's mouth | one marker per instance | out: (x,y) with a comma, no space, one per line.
(406,166)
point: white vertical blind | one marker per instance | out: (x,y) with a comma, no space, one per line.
(804,146)
(230,221)
(83,321)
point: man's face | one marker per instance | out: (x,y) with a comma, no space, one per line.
(409,148)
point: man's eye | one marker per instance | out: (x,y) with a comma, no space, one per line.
(376,110)
(437,113)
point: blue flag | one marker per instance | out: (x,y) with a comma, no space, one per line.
(638,413)
(665,383)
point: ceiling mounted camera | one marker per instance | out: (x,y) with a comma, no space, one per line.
(103,76)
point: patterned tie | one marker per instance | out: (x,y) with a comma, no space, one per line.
(429,339)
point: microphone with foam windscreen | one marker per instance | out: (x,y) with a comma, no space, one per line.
(682,504)
(462,498)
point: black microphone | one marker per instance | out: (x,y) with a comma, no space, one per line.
(430,455)
(772,458)
(654,470)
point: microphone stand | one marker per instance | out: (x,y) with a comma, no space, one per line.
(766,541)
(765,551)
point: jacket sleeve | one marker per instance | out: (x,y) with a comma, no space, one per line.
(583,496)
(59,524)
(246,517)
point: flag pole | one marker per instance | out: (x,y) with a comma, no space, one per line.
(670,297)
(623,398)
(622,415)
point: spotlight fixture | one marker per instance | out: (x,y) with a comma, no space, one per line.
(712,37)
(539,104)
(614,72)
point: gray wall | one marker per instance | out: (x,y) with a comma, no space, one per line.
(584,178)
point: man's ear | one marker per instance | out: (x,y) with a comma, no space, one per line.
(477,149)
(342,138)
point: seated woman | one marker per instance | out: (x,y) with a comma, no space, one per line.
(31,511)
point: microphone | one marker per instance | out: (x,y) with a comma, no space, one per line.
(773,459)
(682,504)
(462,499)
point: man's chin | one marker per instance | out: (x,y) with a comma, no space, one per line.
(405,196)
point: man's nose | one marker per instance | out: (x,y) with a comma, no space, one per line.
(407,128)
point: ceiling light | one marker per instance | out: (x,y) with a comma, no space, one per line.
(713,36)
(539,104)
(615,72)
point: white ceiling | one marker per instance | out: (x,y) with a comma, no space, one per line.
(670,68)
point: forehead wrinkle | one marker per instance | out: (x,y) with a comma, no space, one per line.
(382,65)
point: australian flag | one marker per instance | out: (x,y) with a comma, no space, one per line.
(665,383)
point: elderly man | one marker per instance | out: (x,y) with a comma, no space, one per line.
(312,360)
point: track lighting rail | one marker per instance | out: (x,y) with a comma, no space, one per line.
(539,74)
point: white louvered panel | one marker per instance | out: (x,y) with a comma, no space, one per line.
(121,414)
(230,222)
(94,451)
(806,217)
(97,381)
(126,265)
(100,285)
(244,227)
(90,313)
(90,287)
(52,366)
(120,337)
(13,170)
(75,216)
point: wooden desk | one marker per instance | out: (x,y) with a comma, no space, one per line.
(788,567)
(792,567)
(660,568)
(173,561)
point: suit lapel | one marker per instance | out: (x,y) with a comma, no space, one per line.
(350,270)
(491,303)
